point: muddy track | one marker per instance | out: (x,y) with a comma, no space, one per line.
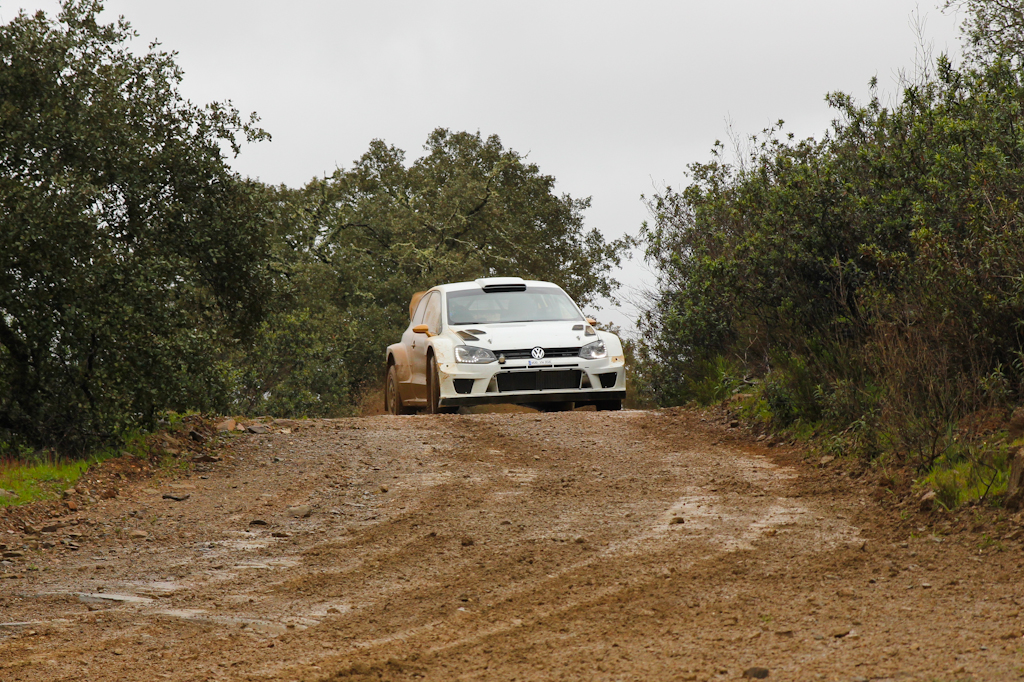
(580,546)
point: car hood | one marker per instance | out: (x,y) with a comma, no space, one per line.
(519,335)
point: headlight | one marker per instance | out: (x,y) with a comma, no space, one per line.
(473,355)
(594,351)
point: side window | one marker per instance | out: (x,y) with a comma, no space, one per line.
(420,307)
(432,313)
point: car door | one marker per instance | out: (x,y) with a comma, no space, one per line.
(417,344)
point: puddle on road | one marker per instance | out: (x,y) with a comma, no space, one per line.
(521,475)
(281,562)
(254,624)
(108,598)
(432,478)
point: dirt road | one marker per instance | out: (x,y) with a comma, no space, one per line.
(575,546)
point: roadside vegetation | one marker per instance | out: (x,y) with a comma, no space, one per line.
(865,288)
(139,274)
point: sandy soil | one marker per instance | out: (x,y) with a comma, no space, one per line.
(636,545)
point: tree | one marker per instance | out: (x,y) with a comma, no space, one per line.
(869,277)
(129,251)
(994,29)
(353,247)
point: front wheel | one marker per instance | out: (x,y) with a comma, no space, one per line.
(434,391)
(608,405)
(392,399)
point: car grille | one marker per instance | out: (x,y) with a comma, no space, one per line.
(538,381)
(524,353)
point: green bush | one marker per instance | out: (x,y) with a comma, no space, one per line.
(869,280)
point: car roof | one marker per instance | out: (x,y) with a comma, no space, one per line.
(491,281)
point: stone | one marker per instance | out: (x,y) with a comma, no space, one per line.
(1016,425)
(467,542)
(826,460)
(108,494)
(280,534)
(227,425)
(258,522)
(677,521)
(206,458)
(7,494)
(13,554)
(256,428)
(927,501)
(383,488)
(69,492)
(755,673)
(177,497)
(196,436)
(839,632)
(734,424)
(300,511)
(846,592)
(71,505)
(138,535)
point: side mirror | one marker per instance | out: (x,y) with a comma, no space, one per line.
(420,329)
(591,321)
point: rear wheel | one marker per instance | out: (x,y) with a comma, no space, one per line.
(608,405)
(434,391)
(392,400)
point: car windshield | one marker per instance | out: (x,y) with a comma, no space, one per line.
(536,304)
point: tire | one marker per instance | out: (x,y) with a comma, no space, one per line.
(608,405)
(434,391)
(392,399)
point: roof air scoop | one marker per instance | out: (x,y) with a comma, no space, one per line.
(493,284)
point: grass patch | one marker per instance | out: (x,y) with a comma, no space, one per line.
(40,480)
(35,476)
(970,473)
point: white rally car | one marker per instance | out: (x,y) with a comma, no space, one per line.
(502,340)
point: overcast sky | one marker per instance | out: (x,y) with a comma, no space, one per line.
(613,99)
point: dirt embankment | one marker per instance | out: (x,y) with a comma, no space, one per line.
(581,546)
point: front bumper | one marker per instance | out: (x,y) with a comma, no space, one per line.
(519,382)
(545,397)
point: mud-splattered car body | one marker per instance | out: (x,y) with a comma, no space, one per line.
(502,340)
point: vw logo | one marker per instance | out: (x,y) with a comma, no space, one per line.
(537,353)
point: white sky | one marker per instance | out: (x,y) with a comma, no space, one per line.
(613,99)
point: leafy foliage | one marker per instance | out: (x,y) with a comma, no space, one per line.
(130,251)
(871,278)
